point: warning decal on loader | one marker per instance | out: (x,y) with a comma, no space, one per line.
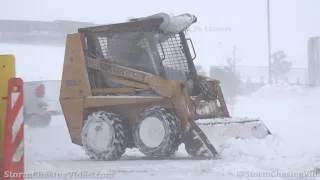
(113,69)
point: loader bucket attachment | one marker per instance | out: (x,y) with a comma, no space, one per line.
(214,120)
(221,129)
(197,143)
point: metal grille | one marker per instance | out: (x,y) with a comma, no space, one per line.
(172,52)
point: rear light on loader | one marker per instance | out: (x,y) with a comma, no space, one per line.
(40,90)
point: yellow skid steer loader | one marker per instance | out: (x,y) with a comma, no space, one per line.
(134,84)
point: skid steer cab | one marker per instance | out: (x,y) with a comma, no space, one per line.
(134,84)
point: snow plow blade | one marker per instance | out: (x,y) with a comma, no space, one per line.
(219,130)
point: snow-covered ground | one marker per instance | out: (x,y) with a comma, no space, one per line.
(291,113)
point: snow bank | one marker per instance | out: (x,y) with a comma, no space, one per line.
(290,112)
(279,90)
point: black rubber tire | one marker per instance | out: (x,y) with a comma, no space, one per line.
(34,121)
(172,137)
(117,145)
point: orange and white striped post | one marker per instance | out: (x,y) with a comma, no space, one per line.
(13,148)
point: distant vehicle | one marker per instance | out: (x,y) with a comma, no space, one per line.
(41,102)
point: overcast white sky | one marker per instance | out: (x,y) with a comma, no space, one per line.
(292,22)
